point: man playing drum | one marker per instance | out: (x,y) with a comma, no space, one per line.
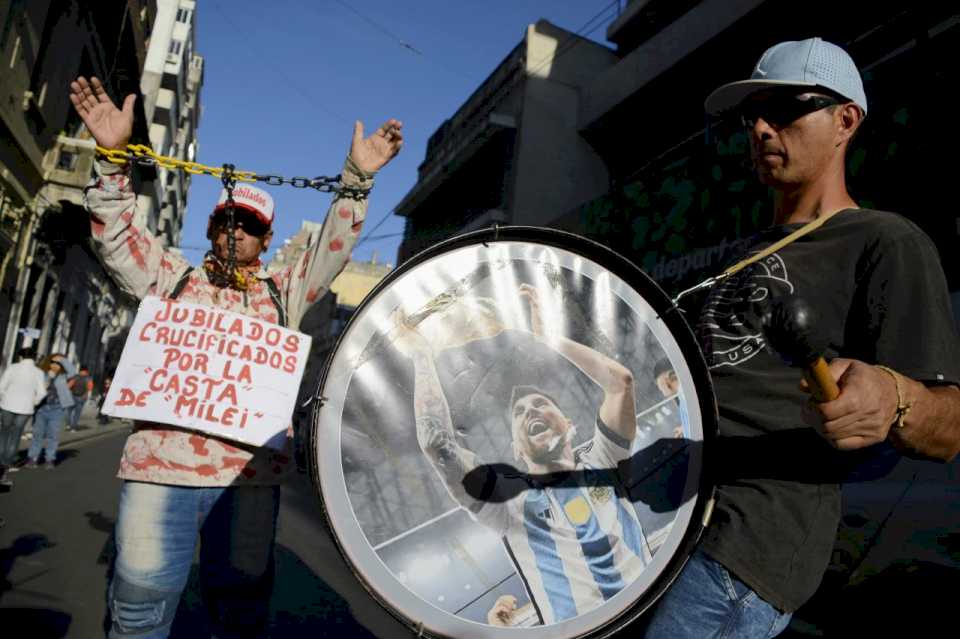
(876,282)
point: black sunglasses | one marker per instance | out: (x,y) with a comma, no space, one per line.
(250,223)
(781,110)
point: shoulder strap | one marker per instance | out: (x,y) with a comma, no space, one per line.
(277,301)
(181,284)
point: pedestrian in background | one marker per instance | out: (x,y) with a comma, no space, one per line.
(22,387)
(52,413)
(81,385)
(102,418)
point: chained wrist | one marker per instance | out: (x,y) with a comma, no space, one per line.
(355,183)
(903,406)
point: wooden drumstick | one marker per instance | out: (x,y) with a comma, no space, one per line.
(790,331)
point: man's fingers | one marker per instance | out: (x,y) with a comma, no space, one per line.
(357,133)
(98,91)
(128,104)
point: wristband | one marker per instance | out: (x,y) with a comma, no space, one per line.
(903,408)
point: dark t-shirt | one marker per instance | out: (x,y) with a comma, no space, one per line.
(876,284)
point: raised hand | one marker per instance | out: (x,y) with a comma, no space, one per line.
(372,153)
(536,316)
(407,339)
(502,612)
(111,127)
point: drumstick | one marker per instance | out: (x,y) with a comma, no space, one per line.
(790,331)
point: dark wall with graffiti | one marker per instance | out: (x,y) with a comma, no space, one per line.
(681,218)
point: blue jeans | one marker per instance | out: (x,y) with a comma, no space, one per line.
(75,412)
(707,601)
(156,535)
(11,429)
(47,423)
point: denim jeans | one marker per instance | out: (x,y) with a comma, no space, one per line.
(156,534)
(706,601)
(75,412)
(11,429)
(47,423)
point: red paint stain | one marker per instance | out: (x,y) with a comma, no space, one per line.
(227,447)
(233,462)
(336,245)
(136,253)
(345,212)
(312,295)
(199,445)
(97,226)
(206,470)
(150,462)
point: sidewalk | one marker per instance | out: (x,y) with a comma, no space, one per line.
(87,428)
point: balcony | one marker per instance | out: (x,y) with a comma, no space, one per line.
(68,167)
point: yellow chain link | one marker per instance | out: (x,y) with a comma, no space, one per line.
(137,151)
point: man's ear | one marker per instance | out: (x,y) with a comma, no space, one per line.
(849,120)
(265,241)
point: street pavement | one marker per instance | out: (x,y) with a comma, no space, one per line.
(895,569)
(55,549)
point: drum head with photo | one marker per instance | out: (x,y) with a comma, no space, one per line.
(510,439)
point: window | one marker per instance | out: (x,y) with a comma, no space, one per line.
(183,15)
(175,47)
(67,160)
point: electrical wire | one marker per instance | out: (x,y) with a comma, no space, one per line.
(315,102)
(380,28)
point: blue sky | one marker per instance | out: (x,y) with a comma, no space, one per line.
(285,80)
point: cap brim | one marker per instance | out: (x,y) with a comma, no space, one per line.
(250,209)
(730,96)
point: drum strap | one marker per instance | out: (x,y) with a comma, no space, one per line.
(810,226)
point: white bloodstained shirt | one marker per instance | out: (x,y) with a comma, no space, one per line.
(139,264)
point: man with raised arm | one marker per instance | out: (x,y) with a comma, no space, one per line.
(182,486)
(570,530)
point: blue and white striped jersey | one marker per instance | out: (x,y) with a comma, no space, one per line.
(576,543)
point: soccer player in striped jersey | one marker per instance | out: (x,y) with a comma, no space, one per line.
(571,531)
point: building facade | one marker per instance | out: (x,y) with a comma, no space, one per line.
(511,154)
(54,291)
(634,163)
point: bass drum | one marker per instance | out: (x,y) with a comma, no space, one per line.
(510,439)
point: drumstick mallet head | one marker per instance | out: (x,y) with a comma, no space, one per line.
(790,325)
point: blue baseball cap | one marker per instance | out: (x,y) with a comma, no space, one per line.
(812,63)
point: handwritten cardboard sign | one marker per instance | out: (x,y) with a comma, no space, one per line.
(210,370)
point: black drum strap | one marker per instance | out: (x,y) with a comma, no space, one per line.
(181,284)
(272,288)
(275,296)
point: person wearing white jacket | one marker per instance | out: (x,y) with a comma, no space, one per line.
(22,387)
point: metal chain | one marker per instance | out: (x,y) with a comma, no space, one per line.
(144,156)
(228,183)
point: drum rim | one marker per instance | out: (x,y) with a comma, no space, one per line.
(680,330)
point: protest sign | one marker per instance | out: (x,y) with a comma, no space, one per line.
(210,370)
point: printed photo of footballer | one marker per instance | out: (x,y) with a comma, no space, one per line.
(487,442)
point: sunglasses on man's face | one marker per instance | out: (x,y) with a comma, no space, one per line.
(779,111)
(249,222)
